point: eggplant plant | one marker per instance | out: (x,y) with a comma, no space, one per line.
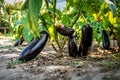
(38,15)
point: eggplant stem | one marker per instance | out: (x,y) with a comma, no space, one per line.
(79,13)
(63,44)
(84,18)
(54,47)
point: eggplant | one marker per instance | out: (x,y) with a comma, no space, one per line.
(37,48)
(64,30)
(90,35)
(26,50)
(19,41)
(105,40)
(72,47)
(80,49)
(86,40)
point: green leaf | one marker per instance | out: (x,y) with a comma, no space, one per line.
(105,22)
(65,20)
(33,15)
(27,34)
(25,5)
(112,6)
(34,6)
(24,20)
(47,18)
(17,23)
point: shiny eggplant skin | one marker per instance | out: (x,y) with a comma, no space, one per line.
(90,35)
(64,30)
(105,40)
(37,48)
(86,40)
(72,47)
(26,50)
(19,41)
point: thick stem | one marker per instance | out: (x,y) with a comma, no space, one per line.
(46,1)
(64,42)
(79,12)
(54,47)
(54,27)
(55,32)
(44,23)
(76,18)
(84,18)
(60,52)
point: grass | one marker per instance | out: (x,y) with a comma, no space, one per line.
(12,64)
(114,63)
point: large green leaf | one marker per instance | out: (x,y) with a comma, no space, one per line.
(27,34)
(112,6)
(47,18)
(34,6)
(25,5)
(24,19)
(33,15)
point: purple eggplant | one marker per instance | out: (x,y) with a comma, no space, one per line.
(86,40)
(105,40)
(37,48)
(19,41)
(64,30)
(72,47)
(26,50)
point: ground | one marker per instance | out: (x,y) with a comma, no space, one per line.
(47,66)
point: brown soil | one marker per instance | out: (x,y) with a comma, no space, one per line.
(47,66)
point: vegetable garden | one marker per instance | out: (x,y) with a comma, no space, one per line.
(78,27)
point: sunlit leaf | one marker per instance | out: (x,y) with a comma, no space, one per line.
(112,6)
(33,13)
(105,21)
(27,34)
(47,18)
(24,20)
(65,19)
(112,19)
(51,33)
(25,5)
(17,23)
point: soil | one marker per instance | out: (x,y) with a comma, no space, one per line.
(48,66)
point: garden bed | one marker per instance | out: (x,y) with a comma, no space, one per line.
(47,66)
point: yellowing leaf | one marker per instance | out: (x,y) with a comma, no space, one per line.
(112,6)
(51,32)
(111,18)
